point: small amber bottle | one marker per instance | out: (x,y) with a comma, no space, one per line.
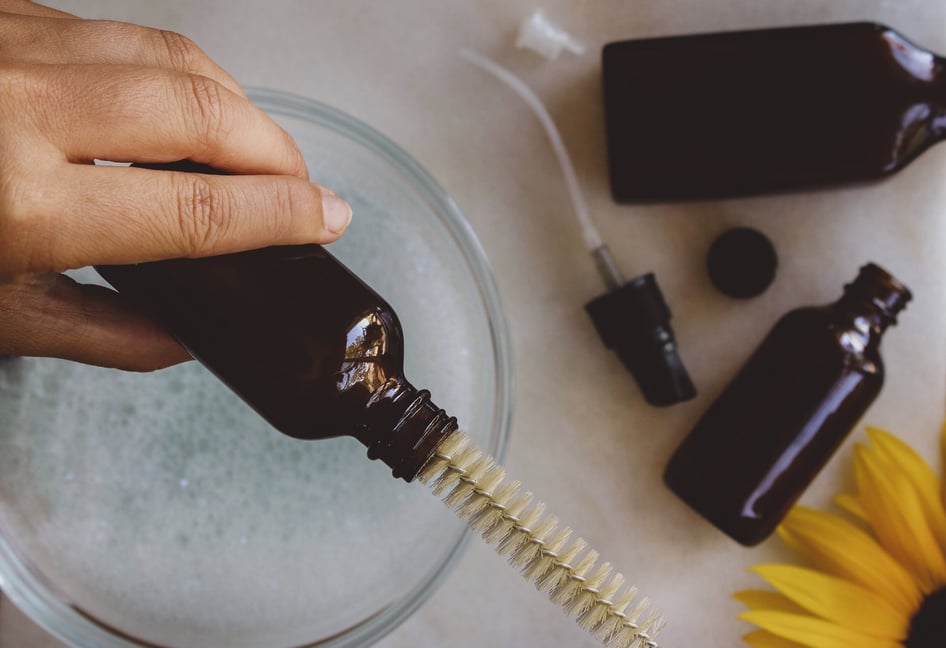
(299,337)
(767,436)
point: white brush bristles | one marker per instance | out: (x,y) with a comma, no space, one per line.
(597,599)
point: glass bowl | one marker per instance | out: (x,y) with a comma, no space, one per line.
(159,510)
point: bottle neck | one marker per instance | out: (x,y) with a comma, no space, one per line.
(871,302)
(403,428)
(926,73)
(938,87)
(859,314)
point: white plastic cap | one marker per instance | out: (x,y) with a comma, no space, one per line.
(546,38)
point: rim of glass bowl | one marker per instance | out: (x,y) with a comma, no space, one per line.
(38,599)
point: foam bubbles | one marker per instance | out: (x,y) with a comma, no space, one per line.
(162,505)
(265,535)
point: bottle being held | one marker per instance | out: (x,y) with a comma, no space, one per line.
(763,441)
(300,338)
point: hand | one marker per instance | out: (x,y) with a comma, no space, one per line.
(72,91)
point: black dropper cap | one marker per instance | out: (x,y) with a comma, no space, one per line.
(634,321)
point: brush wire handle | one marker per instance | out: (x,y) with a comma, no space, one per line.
(476,489)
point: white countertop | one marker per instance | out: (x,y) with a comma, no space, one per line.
(582,437)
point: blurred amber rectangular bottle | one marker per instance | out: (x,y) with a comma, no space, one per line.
(752,112)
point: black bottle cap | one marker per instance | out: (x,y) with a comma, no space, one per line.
(741,262)
(634,321)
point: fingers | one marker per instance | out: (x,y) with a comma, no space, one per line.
(90,215)
(126,113)
(52,316)
(39,39)
(73,91)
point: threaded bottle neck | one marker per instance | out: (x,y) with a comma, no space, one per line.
(403,428)
(879,293)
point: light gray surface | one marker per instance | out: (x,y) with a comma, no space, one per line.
(582,437)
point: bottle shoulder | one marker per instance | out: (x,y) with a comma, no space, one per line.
(823,332)
(805,319)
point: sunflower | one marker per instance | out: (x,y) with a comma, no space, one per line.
(877,581)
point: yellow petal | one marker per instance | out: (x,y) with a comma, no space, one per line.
(838,547)
(764,639)
(767,600)
(896,515)
(812,632)
(837,600)
(911,465)
(942,458)
(852,504)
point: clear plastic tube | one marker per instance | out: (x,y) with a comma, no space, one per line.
(589,232)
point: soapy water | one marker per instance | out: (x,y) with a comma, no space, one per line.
(160,504)
(163,506)
(164,500)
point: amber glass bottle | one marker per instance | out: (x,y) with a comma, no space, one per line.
(737,113)
(300,338)
(774,427)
